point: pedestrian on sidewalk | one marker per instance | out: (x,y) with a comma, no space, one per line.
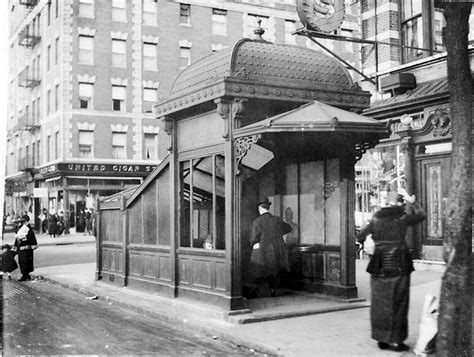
(25,244)
(390,267)
(269,256)
(7,261)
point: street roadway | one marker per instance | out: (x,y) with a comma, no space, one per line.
(42,318)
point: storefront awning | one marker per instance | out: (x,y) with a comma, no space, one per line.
(316,117)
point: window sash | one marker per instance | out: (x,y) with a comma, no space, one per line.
(184,13)
(118,92)
(85,90)
(151,147)
(185,56)
(86,137)
(119,139)
(150,95)
(149,6)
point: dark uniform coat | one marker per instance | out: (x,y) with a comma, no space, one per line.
(390,267)
(24,247)
(268,231)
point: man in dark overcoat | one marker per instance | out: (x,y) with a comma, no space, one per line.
(25,244)
(390,267)
(269,256)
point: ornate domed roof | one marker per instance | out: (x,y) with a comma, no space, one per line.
(260,69)
(264,62)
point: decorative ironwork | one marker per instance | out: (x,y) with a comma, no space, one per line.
(242,147)
(168,129)
(329,188)
(361,149)
(441,121)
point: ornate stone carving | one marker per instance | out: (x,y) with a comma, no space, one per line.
(441,121)
(223,109)
(361,148)
(242,146)
(330,187)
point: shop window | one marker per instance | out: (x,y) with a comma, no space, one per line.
(118,98)
(149,12)
(86,141)
(119,145)
(150,51)
(202,203)
(119,10)
(219,22)
(185,14)
(86,8)
(85,95)
(86,49)
(151,146)
(118,53)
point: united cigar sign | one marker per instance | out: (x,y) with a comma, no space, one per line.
(97,169)
(321,15)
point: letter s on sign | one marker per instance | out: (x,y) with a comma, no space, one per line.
(321,15)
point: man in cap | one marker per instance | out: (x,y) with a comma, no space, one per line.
(390,267)
(269,256)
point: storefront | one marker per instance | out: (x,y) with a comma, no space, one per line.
(71,188)
(256,120)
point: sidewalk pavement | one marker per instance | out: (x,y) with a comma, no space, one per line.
(45,239)
(321,327)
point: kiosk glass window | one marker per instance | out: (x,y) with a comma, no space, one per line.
(202,203)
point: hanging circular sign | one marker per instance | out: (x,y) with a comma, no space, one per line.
(321,15)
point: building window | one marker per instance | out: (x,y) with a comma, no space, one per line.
(118,98)
(48,58)
(185,14)
(38,152)
(202,208)
(184,56)
(38,108)
(119,145)
(290,28)
(56,98)
(151,146)
(56,145)
(119,53)
(48,148)
(346,45)
(85,95)
(86,49)
(149,12)
(150,95)
(86,142)
(415,16)
(33,155)
(150,52)
(48,9)
(119,10)
(219,22)
(48,104)
(86,8)
(56,51)
(56,9)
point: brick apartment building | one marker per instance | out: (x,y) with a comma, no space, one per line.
(410,71)
(84,76)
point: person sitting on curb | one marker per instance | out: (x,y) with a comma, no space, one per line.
(7,261)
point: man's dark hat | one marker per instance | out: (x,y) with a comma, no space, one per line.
(264,202)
